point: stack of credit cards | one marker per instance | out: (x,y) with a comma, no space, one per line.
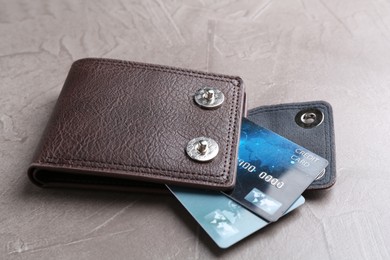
(272,174)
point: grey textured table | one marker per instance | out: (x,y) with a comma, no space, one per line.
(286,51)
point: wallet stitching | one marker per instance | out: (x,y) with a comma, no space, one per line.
(330,180)
(119,167)
(198,74)
(233,135)
(319,183)
(281,108)
(231,132)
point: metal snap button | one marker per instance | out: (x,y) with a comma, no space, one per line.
(209,98)
(321,175)
(309,118)
(202,149)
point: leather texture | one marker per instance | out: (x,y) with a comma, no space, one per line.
(118,121)
(319,139)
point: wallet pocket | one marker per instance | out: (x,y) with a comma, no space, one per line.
(118,122)
(309,124)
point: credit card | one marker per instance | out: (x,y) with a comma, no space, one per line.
(225,221)
(272,171)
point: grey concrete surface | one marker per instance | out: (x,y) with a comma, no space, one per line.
(286,51)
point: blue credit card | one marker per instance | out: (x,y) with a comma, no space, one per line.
(225,221)
(272,171)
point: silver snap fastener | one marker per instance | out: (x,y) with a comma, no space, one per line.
(322,174)
(202,149)
(309,118)
(209,98)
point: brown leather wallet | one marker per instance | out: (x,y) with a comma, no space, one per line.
(119,123)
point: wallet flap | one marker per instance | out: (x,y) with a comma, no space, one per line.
(130,120)
(309,124)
